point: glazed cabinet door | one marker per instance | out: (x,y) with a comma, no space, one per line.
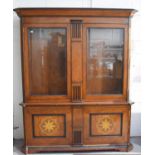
(105,61)
(46,57)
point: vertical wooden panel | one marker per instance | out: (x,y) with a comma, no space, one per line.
(77,125)
(76,44)
(76,61)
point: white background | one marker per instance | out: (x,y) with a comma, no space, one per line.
(135,69)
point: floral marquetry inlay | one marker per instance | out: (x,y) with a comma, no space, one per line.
(105,124)
(48,126)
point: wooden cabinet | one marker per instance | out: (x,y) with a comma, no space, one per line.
(75,79)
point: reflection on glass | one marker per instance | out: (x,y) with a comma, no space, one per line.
(105,61)
(47,48)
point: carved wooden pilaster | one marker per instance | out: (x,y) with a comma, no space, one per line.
(76,46)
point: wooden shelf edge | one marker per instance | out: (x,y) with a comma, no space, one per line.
(77,104)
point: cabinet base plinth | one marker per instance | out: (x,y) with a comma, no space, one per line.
(88,148)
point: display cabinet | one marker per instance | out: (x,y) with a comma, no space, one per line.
(75,79)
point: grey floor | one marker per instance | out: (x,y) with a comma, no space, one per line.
(136,141)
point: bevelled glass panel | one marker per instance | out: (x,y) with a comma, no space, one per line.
(105,61)
(47,48)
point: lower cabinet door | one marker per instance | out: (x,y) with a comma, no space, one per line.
(48,125)
(106,125)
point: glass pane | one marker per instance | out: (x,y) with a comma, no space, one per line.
(105,61)
(47,48)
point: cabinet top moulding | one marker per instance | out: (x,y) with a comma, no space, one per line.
(82,12)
